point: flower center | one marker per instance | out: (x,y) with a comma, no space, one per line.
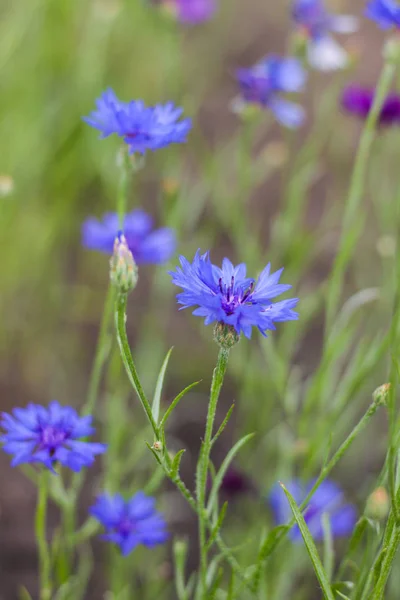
(125,527)
(52,438)
(232,298)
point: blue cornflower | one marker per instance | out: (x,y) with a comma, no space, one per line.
(386,13)
(147,245)
(328,499)
(36,434)
(226,295)
(191,12)
(142,127)
(129,523)
(263,83)
(317,25)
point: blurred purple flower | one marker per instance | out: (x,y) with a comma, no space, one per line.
(263,83)
(226,295)
(235,483)
(385,13)
(148,245)
(141,127)
(358,101)
(314,21)
(191,12)
(129,523)
(328,499)
(52,435)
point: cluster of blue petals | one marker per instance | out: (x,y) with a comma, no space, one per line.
(358,100)
(328,499)
(52,435)
(148,245)
(386,13)
(264,83)
(227,295)
(129,523)
(192,12)
(141,127)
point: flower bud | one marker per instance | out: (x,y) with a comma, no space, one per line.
(378,504)
(123,269)
(157,446)
(381,394)
(225,335)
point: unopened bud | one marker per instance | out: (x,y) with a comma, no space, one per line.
(381,394)
(157,446)
(123,269)
(378,504)
(225,335)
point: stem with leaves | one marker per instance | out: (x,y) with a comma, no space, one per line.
(40,532)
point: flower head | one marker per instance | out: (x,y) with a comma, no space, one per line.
(328,499)
(129,523)
(141,127)
(226,295)
(148,245)
(123,269)
(385,13)
(358,101)
(191,12)
(52,435)
(316,24)
(263,84)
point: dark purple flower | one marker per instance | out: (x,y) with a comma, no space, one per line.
(358,101)
(129,523)
(148,245)
(52,435)
(328,499)
(191,12)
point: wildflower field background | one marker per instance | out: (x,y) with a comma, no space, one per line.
(242,186)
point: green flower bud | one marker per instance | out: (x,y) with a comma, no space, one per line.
(225,335)
(378,504)
(381,394)
(123,269)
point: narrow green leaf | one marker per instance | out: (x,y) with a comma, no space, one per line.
(154,453)
(267,547)
(217,525)
(223,424)
(155,409)
(310,545)
(24,594)
(180,554)
(329,553)
(176,463)
(223,469)
(175,401)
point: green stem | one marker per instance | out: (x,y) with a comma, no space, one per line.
(355,195)
(386,566)
(122,199)
(40,532)
(126,355)
(216,385)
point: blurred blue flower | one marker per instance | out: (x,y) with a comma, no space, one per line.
(358,101)
(142,127)
(147,245)
(328,499)
(36,434)
(226,295)
(263,83)
(191,12)
(316,24)
(129,523)
(385,13)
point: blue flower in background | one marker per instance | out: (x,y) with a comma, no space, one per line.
(129,523)
(36,434)
(191,12)
(141,127)
(226,295)
(313,20)
(147,245)
(386,13)
(263,84)
(358,100)
(328,499)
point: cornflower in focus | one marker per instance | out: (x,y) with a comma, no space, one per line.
(52,435)
(227,296)
(385,13)
(191,12)
(328,499)
(129,523)
(263,84)
(315,26)
(358,101)
(148,245)
(141,127)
